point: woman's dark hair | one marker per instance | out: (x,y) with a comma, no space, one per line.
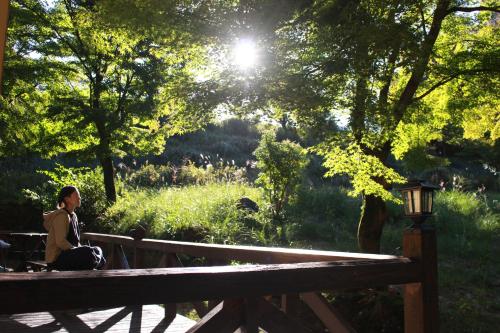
(66,191)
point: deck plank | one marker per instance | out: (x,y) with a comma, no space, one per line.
(134,319)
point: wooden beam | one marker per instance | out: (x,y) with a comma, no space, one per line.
(4,19)
(273,320)
(179,285)
(225,317)
(250,318)
(138,257)
(290,304)
(328,315)
(251,254)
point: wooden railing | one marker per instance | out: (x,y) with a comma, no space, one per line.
(238,295)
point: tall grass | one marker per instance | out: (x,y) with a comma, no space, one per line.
(324,217)
(469,265)
(192,213)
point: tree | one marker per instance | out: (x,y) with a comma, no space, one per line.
(104,89)
(379,62)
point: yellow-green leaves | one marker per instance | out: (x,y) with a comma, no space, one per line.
(367,172)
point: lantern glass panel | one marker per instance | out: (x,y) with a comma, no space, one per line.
(417,208)
(427,201)
(408,203)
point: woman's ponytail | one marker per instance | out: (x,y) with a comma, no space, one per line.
(66,191)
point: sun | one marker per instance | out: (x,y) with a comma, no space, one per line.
(244,54)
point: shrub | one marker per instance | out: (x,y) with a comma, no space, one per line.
(150,175)
(281,166)
(89,183)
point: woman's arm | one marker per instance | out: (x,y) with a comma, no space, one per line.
(60,227)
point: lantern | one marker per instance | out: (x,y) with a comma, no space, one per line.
(418,200)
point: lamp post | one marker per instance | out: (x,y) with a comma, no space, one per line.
(418,200)
(421,300)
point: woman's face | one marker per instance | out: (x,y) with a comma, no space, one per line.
(74,200)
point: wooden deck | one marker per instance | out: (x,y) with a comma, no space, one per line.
(134,319)
(226,297)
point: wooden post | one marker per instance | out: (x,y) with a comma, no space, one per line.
(138,257)
(290,304)
(4,19)
(250,324)
(421,308)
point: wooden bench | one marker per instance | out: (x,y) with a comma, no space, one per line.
(36,266)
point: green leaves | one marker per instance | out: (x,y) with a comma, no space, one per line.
(101,79)
(281,166)
(368,173)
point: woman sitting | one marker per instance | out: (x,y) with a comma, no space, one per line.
(64,251)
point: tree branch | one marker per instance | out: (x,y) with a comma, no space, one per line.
(422,16)
(420,67)
(435,86)
(448,79)
(455,9)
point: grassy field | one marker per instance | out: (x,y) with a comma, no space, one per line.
(468,229)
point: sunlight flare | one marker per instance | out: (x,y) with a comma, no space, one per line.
(245,54)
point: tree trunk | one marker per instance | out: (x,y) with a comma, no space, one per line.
(109,179)
(371,223)
(105,158)
(104,150)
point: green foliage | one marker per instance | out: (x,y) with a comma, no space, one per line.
(472,98)
(324,216)
(281,166)
(89,183)
(152,176)
(366,171)
(96,88)
(193,213)
(465,214)
(13,182)
(217,171)
(157,176)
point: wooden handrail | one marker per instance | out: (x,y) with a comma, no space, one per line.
(251,254)
(176,285)
(293,273)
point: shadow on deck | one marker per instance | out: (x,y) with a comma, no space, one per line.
(133,319)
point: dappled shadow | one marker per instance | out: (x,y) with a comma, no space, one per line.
(70,321)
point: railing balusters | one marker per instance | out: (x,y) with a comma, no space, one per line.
(290,304)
